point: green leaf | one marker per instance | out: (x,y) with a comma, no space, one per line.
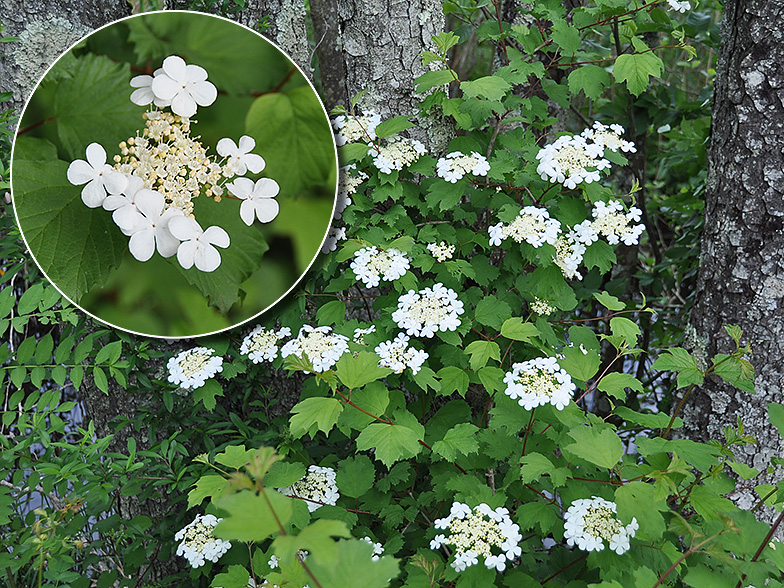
(99,377)
(430,79)
(355,476)
(459,440)
(652,421)
(566,36)
(252,517)
(744,471)
(209,486)
(518,330)
(636,499)
(331,313)
(609,301)
(590,79)
(355,372)
(392,126)
(235,576)
(533,466)
(492,312)
(352,152)
(709,504)
(581,364)
(735,371)
(77,247)
(681,361)
(636,69)
(316,538)
(284,473)
(481,352)
(615,384)
(776,416)
(234,456)
(453,379)
(294,138)
(314,414)
(391,442)
(491,87)
(207,393)
(600,446)
(626,329)
(354,555)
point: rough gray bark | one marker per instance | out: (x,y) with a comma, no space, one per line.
(741,280)
(380,42)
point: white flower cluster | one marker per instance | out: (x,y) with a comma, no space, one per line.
(378,549)
(537,382)
(590,522)
(191,368)
(371,265)
(428,311)
(321,346)
(679,5)
(398,355)
(262,344)
(334,235)
(455,165)
(541,307)
(533,225)
(609,137)
(151,187)
(353,128)
(614,225)
(441,251)
(399,152)
(481,532)
(317,488)
(359,334)
(569,252)
(571,160)
(347,185)
(197,543)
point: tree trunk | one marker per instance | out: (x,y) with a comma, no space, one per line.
(741,279)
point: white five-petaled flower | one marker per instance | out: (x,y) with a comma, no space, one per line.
(316,488)
(479,532)
(198,246)
(262,344)
(679,5)
(589,522)
(147,222)
(99,176)
(378,549)
(258,199)
(191,368)
(143,95)
(428,311)
(184,85)
(539,381)
(240,157)
(197,543)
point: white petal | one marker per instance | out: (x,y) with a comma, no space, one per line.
(166,242)
(93,194)
(129,219)
(184,228)
(80,172)
(183,105)
(267,210)
(266,188)
(115,182)
(96,155)
(142,96)
(241,188)
(207,258)
(204,93)
(115,201)
(216,236)
(226,147)
(186,253)
(142,244)
(254,162)
(135,183)
(141,81)
(175,68)
(247,144)
(165,88)
(150,203)
(196,73)
(247,212)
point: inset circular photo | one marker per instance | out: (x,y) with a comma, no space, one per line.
(174,174)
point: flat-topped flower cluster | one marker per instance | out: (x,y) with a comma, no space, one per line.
(197,543)
(317,488)
(590,522)
(158,173)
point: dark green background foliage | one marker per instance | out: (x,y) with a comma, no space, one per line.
(85,98)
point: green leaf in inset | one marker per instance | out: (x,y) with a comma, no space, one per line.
(591,79)
(459,440)
(77,247)
(600,446)
(251,516)
(355,372)
(355,476)
(314,414)
(636,69)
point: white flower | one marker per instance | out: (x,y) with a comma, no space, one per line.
(679,6)
(185,85)
(240,157)
(197,543)
(400,152)
(347,185)
(197,244)
(609,137)
(614,225)
(378,549)
(533,225)
(261,344)
(349,129)
(317,488)
(99,176)
(568,255)
(571,160)
(372,264)
(258,199)
(441,251)
(428,311)
(589,522)
(273,562)
(334,235)
(397,355)
(541,307)
(321,346)
(481,532)
(456,165)
(143,95)
(147,222)
(359,334)
(191,368)
(537,382)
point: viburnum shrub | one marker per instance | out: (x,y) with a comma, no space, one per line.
(457,345)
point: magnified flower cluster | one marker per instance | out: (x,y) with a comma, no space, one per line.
(160,171)
(321,346)
(481,532)
(398,355)
(457,164)
(428,311)
(371,265)
(539,381)
(592,521)
(262,344)
(191,368)
(317,488)
(197,543)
